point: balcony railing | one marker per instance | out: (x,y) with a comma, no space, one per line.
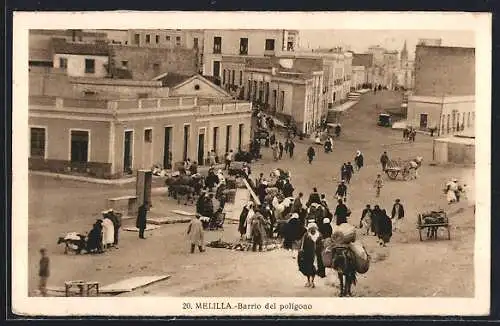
(201,106)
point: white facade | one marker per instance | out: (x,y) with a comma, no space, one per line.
(449,114)
(81,65)
(257,43)
(358,76)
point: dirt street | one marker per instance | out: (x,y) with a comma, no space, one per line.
(406,268)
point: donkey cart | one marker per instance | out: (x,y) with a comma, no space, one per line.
(394,168)
(432,221)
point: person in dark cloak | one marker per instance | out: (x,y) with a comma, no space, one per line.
(325,228)
(292,231)
(211,180)
(200,202)
(310,254)
(314,198)
(376,217)
(142,219)
(94,239)
(384,228)
(367,211)
(310,154)
(341,213)
(291,148)
(287,189)
(359,160)
(281,148)
(350,172)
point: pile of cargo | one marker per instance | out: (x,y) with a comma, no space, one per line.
(269,245)
(433,217)
(344,236)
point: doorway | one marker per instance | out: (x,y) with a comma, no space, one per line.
(127,151)
(228,138)
(79,146)
(167,148)
(423,120)
(216,70)
(186,143)
(215,146)
(201,147)
(240,136)
(147,157)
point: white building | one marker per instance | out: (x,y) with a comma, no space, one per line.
(81,59)
(245,43)
(358,77)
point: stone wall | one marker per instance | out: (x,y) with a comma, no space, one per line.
(147,63)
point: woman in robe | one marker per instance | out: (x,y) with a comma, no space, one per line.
(248,222)
(108,232)
(292,231)
(309,258)
(243,218)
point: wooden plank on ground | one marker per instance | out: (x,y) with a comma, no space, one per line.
(254,196)
(149,227)
(168,220)
(181,212)
(132,284)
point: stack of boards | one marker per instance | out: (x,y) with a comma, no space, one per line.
(344,235)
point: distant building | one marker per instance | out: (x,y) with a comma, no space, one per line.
(377,52)
(40,43)
(81,59)
(251,43)
(107,137)
(406,73)
(390,66)
(358,77)
(430,41)
(444,92)
(290,88)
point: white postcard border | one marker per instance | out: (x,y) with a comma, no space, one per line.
(147,306)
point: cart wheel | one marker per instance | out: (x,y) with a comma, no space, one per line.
(392,174)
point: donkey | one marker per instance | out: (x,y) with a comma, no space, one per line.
(344,264)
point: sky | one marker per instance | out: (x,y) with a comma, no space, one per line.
(359,40)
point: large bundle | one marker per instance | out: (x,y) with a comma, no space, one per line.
(433,217)
(344,234)
(231,182)
(361,255)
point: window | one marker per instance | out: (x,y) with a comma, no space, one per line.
(63,63)
(157,39)
(148,135)
(156,67)
(224,77)
(167,38)
(177,40)
(148,38)
(217,44)
(269,45)
(89,66)
(241,77)
(137,38)
(243,45)
(79,146)
(124,64)
(37,139)
(195,43)
(232,78)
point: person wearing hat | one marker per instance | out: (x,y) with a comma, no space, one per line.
(359,160)
(309,258)
(195,233)
(341,212)
(341,192)
(451,191)
(397,214)
(43,271)
(314,198)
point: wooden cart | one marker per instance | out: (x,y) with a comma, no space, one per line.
(394,168)
(432,224)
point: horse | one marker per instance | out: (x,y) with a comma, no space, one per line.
(282,208)
(344,263)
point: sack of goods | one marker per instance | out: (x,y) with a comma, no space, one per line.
(345,233)
(327,253)
(362,257)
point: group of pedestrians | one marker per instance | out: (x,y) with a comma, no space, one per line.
(376,221)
